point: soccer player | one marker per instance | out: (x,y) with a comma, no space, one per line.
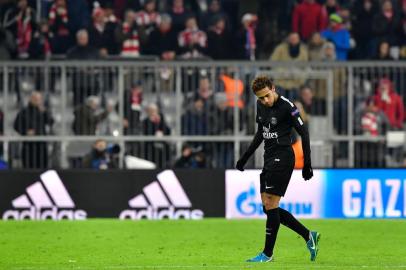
(276,116)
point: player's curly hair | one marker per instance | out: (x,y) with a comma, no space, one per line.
(260,83)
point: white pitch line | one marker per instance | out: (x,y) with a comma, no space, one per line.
(208,267)
(250,266)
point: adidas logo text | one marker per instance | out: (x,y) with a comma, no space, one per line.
(39,204)
(166,199)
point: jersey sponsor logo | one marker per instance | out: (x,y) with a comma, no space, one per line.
(267,134)
(162,199)
(45,199)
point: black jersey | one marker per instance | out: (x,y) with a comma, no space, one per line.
(275,128)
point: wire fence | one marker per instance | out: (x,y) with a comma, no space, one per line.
(118,114)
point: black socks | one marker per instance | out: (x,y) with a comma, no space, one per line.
(272,227)
(292,223)
(275,217)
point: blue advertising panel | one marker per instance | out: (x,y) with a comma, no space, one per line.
(361,193)
(331,193)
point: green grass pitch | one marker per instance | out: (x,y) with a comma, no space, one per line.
(207,244)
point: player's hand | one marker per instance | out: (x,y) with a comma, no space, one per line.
(240,164)
(307,172)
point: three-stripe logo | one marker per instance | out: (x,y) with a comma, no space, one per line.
(164,198)
(44,200)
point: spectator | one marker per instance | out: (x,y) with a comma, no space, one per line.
(205,94)
(363,13)
(305,102)
(163,41)
(290,50)
(383,52)
(339,36)
(386,25)
(111,125)
(307,18)
(233,88)
(191,159)
(155,125)
(20,21)
(214,12)
(330,7)
(34,120)
(179,15)
(101,157)
(372,122)
(219,41)
(315,47)
(304,105)
(112,22)
(340,122)
(86,117)
(194,120)
(223,124)
(7,45)
(147,20)
(41,43)
(59,27)
(127,36)
(84,81)
(328,52)
(132,110)
(109,15)
(192,41)
(101,33)
(274,19)
(345,15)
(387,100)
(82,50)
(246,39)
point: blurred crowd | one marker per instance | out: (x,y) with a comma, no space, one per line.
(280,30)
(303,30)
(207,110)
(204,111)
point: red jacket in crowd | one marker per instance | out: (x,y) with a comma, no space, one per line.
(390,103)
(308,18)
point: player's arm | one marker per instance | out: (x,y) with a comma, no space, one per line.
(301,128)
(256,142)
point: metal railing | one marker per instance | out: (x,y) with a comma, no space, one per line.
(191,98)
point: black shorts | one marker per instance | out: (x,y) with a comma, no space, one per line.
(277,172)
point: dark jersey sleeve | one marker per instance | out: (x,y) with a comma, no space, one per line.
(256,142)
(303,132)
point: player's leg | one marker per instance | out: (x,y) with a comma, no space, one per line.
(292,223)
(271,204)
